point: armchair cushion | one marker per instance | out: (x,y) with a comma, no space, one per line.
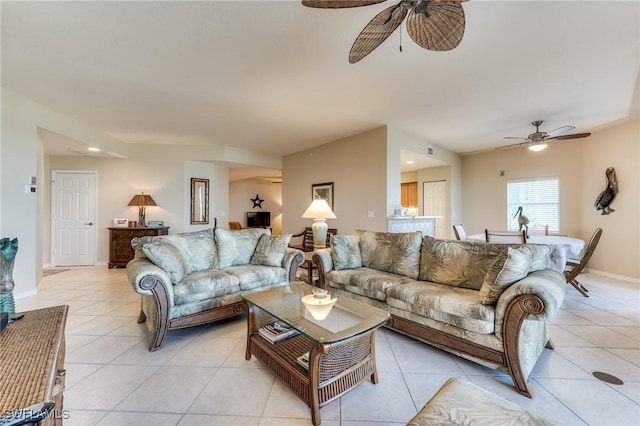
(237,247)
(511,265)
(397,253)
(270,250)
(345,252)
(168,257)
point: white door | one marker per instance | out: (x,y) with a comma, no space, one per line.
(434,196)
(73,219)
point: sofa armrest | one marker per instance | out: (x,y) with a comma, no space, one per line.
(549,285)
(143,275)
(292,259)
(324,263)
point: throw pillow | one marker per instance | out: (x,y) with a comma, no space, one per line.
(540,257)
(397,253)
(168,257)
(237,247)
(345,252)
(270,250)
(196,248)
(510,266)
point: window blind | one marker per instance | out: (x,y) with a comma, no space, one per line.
(540,201)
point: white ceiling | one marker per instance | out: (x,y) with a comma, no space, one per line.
(273,76)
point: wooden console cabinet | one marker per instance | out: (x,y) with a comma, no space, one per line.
(120,250)
(32,363)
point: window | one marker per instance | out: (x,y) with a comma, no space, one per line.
(540,201)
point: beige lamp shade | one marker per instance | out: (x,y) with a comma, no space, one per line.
(142,201)
(319,209)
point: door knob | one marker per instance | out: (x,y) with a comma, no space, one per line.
(90,223)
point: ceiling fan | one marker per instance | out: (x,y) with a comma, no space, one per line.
(538,140)
(433,24)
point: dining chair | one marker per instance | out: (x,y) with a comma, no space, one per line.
(508,237)
(234,225)
(574,267)
(458,231)
(539,231)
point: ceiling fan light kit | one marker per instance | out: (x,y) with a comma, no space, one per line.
(436,25)
(538,140)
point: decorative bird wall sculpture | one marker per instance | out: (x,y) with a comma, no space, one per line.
(606,197)
(523,221)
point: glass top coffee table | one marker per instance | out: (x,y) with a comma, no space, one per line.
(341,347)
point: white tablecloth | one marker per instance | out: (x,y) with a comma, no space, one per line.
(562,248)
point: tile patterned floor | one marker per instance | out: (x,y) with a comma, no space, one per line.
(200,376)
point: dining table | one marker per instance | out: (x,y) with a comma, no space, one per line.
(562,248)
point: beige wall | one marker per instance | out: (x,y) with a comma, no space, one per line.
(240,195)
(357,166)
(580,164)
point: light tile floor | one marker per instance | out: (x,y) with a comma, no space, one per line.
(200,376)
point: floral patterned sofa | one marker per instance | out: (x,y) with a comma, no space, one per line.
(486,302)
(194,278)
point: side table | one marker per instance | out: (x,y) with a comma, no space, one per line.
(120,250)
(32,362)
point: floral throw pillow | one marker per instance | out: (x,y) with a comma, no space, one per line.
(345,252)
(270,250)
(510,266)
(237,247)
(168,257)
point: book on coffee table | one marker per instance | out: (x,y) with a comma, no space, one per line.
(277,331)
(303,360)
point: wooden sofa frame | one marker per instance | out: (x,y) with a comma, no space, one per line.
(164,324)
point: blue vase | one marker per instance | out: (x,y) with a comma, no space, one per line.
(8,250)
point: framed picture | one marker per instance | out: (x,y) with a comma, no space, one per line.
(121,222)
(323,191)
(156,223)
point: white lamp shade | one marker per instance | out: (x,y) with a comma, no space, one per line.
(319,209)
(319,303)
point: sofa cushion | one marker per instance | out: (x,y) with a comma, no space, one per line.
(270,250)
(257,276)
(199,252)
(366,281)
(456,306)
(510,266)
(345,252)
(457,263)
(397,253)
(237,247)
(168,257)
(138,242)
(202,285)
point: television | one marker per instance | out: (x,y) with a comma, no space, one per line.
(258,219)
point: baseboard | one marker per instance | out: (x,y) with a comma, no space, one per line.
(614,276)
(22,295)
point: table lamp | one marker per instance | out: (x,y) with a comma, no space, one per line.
(319,303)
(319,211)
(142,201)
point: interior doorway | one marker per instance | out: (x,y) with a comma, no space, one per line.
(434,196)
(73,218)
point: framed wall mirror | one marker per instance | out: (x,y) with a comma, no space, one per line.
(199,201)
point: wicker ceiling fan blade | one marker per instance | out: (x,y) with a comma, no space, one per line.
(338,4)
(516,138)
(440,28)
(377,31)
(574,136)
(559,131)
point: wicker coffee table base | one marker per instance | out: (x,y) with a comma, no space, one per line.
(334,369)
